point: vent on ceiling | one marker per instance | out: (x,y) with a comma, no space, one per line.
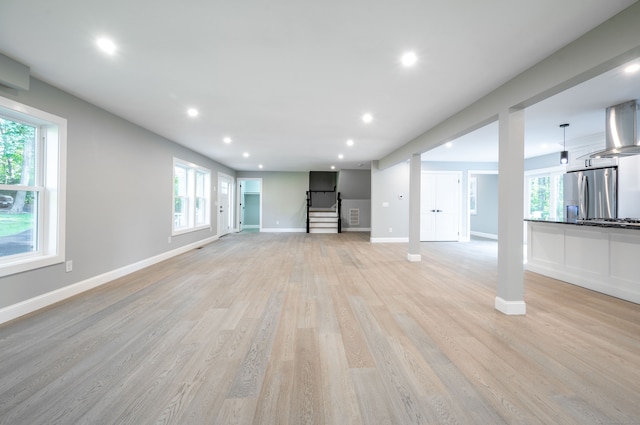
(354,216)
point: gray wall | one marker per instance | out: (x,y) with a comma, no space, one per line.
(355,189)
(283,199)
(486,220)
(364,205)
(390,221)
(322,180)
(355,184)
(119,194)
(322,185)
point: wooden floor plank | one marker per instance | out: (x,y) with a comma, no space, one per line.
(375,408)
(340,401)
(307,404)
(356,349)
(248,381)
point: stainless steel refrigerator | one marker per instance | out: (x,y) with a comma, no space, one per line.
(591,193)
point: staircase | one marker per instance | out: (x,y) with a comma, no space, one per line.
(323,220)
(324,203)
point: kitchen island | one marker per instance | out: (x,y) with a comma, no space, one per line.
(603,257)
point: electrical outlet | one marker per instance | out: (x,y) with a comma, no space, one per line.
(68,266)
(390,230)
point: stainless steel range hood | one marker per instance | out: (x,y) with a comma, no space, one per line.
(622,137)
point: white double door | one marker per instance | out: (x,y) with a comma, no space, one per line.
(440,206)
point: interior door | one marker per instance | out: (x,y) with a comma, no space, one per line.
(440,206)
(225,204)
(249,203)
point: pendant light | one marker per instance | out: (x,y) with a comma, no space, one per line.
(564,155)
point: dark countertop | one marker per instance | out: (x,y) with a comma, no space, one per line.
(610,224)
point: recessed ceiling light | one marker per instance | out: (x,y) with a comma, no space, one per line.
(192,112)
(260,166)
(409,59)
(350,142)
(632,68)
(448,144)
(340,156)
(544,146)
(227,140)
(333,167)
(367,118)
(246,154)
(106,45)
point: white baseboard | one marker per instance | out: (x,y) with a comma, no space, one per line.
(250,226)
(33,304)
(389,240)
(283,230)
(484,235)
(356,229)
(414,258)
(510,308)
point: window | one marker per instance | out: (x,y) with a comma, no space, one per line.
(473,195)
(544,195)
(191,197)
(32,188)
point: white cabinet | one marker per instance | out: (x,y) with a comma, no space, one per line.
(579,159)
(602,259)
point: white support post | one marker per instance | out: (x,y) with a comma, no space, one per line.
(414,208)
(510,291)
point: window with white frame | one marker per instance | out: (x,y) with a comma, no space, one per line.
(32,188)
(473,195)
(544,194)
(191,196)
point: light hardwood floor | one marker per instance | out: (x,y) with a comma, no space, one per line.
(265,328)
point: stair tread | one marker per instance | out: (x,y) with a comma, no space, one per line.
(323,230)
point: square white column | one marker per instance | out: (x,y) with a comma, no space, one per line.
(510,291)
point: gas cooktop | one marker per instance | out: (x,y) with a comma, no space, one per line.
(612,221)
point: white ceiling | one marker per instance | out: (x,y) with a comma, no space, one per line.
(288,80)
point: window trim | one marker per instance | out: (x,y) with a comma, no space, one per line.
(192,171)
(51,169)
